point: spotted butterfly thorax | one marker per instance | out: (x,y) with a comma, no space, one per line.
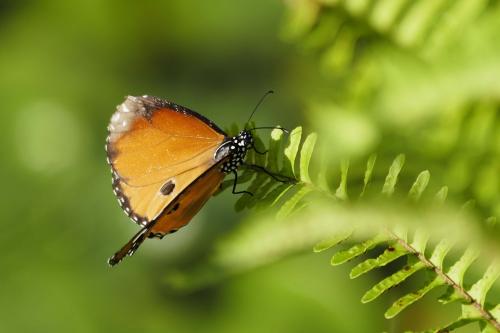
(236,148)
(166,162)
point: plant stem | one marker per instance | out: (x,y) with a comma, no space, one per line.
(458,288)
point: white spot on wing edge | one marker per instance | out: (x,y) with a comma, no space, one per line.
(123,117)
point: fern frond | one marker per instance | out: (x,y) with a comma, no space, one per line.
(434,59)
(290,161)
(397,244)
(291,229)
(339,28)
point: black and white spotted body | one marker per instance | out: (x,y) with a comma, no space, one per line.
(236,148)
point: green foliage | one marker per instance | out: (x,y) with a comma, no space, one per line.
(417,69)
(290,197)
(388,76)
(424,74)
(343,26)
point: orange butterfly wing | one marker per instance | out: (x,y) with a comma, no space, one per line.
(185,206)
(156,149)
(178,213)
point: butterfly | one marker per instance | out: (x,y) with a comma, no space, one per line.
(166,162)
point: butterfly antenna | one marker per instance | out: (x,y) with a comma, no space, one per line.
(258,104)
(270,127)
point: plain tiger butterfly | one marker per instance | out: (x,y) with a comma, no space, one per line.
(166,162)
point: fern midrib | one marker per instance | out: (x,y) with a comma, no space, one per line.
(439,272)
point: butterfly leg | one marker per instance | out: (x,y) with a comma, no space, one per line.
(279,178)
(234,185)
(259,152)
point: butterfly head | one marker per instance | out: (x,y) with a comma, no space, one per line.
(236,148)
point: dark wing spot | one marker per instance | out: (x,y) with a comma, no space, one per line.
(176,206)
(167,188)
(156,235)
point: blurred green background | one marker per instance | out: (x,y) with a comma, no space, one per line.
(65,65)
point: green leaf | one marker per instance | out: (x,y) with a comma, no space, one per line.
(245,199)
(437,258)
(456,273)
(358,249)
(392,176)
(419,185)
(440,251)
(400,232)
(260,159)
(305,157)
(495,312)
(322,180)
(287,208)
(468,206)
(261,192)
(274,156)
(441,195)
(250,157)
(411,298)
(333,241)
(390,254)
(487,328)
(245,176)
(275,195)
(420,239)
(479,290)
(368,172)
(461,322)
(391,281)
(291,151)
(341,192)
